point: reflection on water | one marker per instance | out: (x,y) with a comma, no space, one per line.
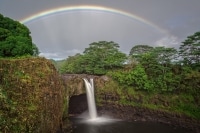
(117,126)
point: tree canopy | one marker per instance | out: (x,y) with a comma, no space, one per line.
(190,50)
(137,51)
(15,39)
(98,58)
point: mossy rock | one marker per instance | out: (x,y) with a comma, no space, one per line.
(31,96)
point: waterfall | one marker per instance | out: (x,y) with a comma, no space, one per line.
(90,98)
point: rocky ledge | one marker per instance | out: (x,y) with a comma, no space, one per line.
(131,113)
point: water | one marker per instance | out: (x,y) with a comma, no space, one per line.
(90,98)
(117,126)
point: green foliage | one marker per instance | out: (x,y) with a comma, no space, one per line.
(15,39)
(99,58)
(72,64)
(190,50)
(140,49)
(31,92)
(137,51)
(103,56)
(165,55)
(191,82)
(135,77)
(154,71)
(139,78)
(35,50)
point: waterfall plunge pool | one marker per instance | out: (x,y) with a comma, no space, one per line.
(91,123)
(104,125)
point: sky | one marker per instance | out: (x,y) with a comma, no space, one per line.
(62,28)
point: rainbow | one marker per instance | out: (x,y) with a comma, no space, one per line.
(90,8)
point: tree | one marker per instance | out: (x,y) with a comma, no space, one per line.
(159,59)
(190,50)
(165,55)
(73,64)
(36,51)
(15,39)
(103,56)
(137,51)
(157,64)
(140,49)
(4,33)
(135,77)
(138,78)
(98,58)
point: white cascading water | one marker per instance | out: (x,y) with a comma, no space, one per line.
(90,98)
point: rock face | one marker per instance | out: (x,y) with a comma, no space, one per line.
(77,104)
(77,92)
(75,85)
(31,96)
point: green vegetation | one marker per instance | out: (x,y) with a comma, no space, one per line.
(172,75)
(15,39)
(98,59)
(154,69)
(173,103)
(31,96)
(190,51)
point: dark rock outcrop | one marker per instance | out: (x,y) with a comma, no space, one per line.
(77,104)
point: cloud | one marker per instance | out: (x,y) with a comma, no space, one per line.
(168,41)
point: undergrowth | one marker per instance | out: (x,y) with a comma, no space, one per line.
(180,103)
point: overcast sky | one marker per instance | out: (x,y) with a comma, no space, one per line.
(131,22)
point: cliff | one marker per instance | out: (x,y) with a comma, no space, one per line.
(32,96)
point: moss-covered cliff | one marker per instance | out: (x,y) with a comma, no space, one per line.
(32,96)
